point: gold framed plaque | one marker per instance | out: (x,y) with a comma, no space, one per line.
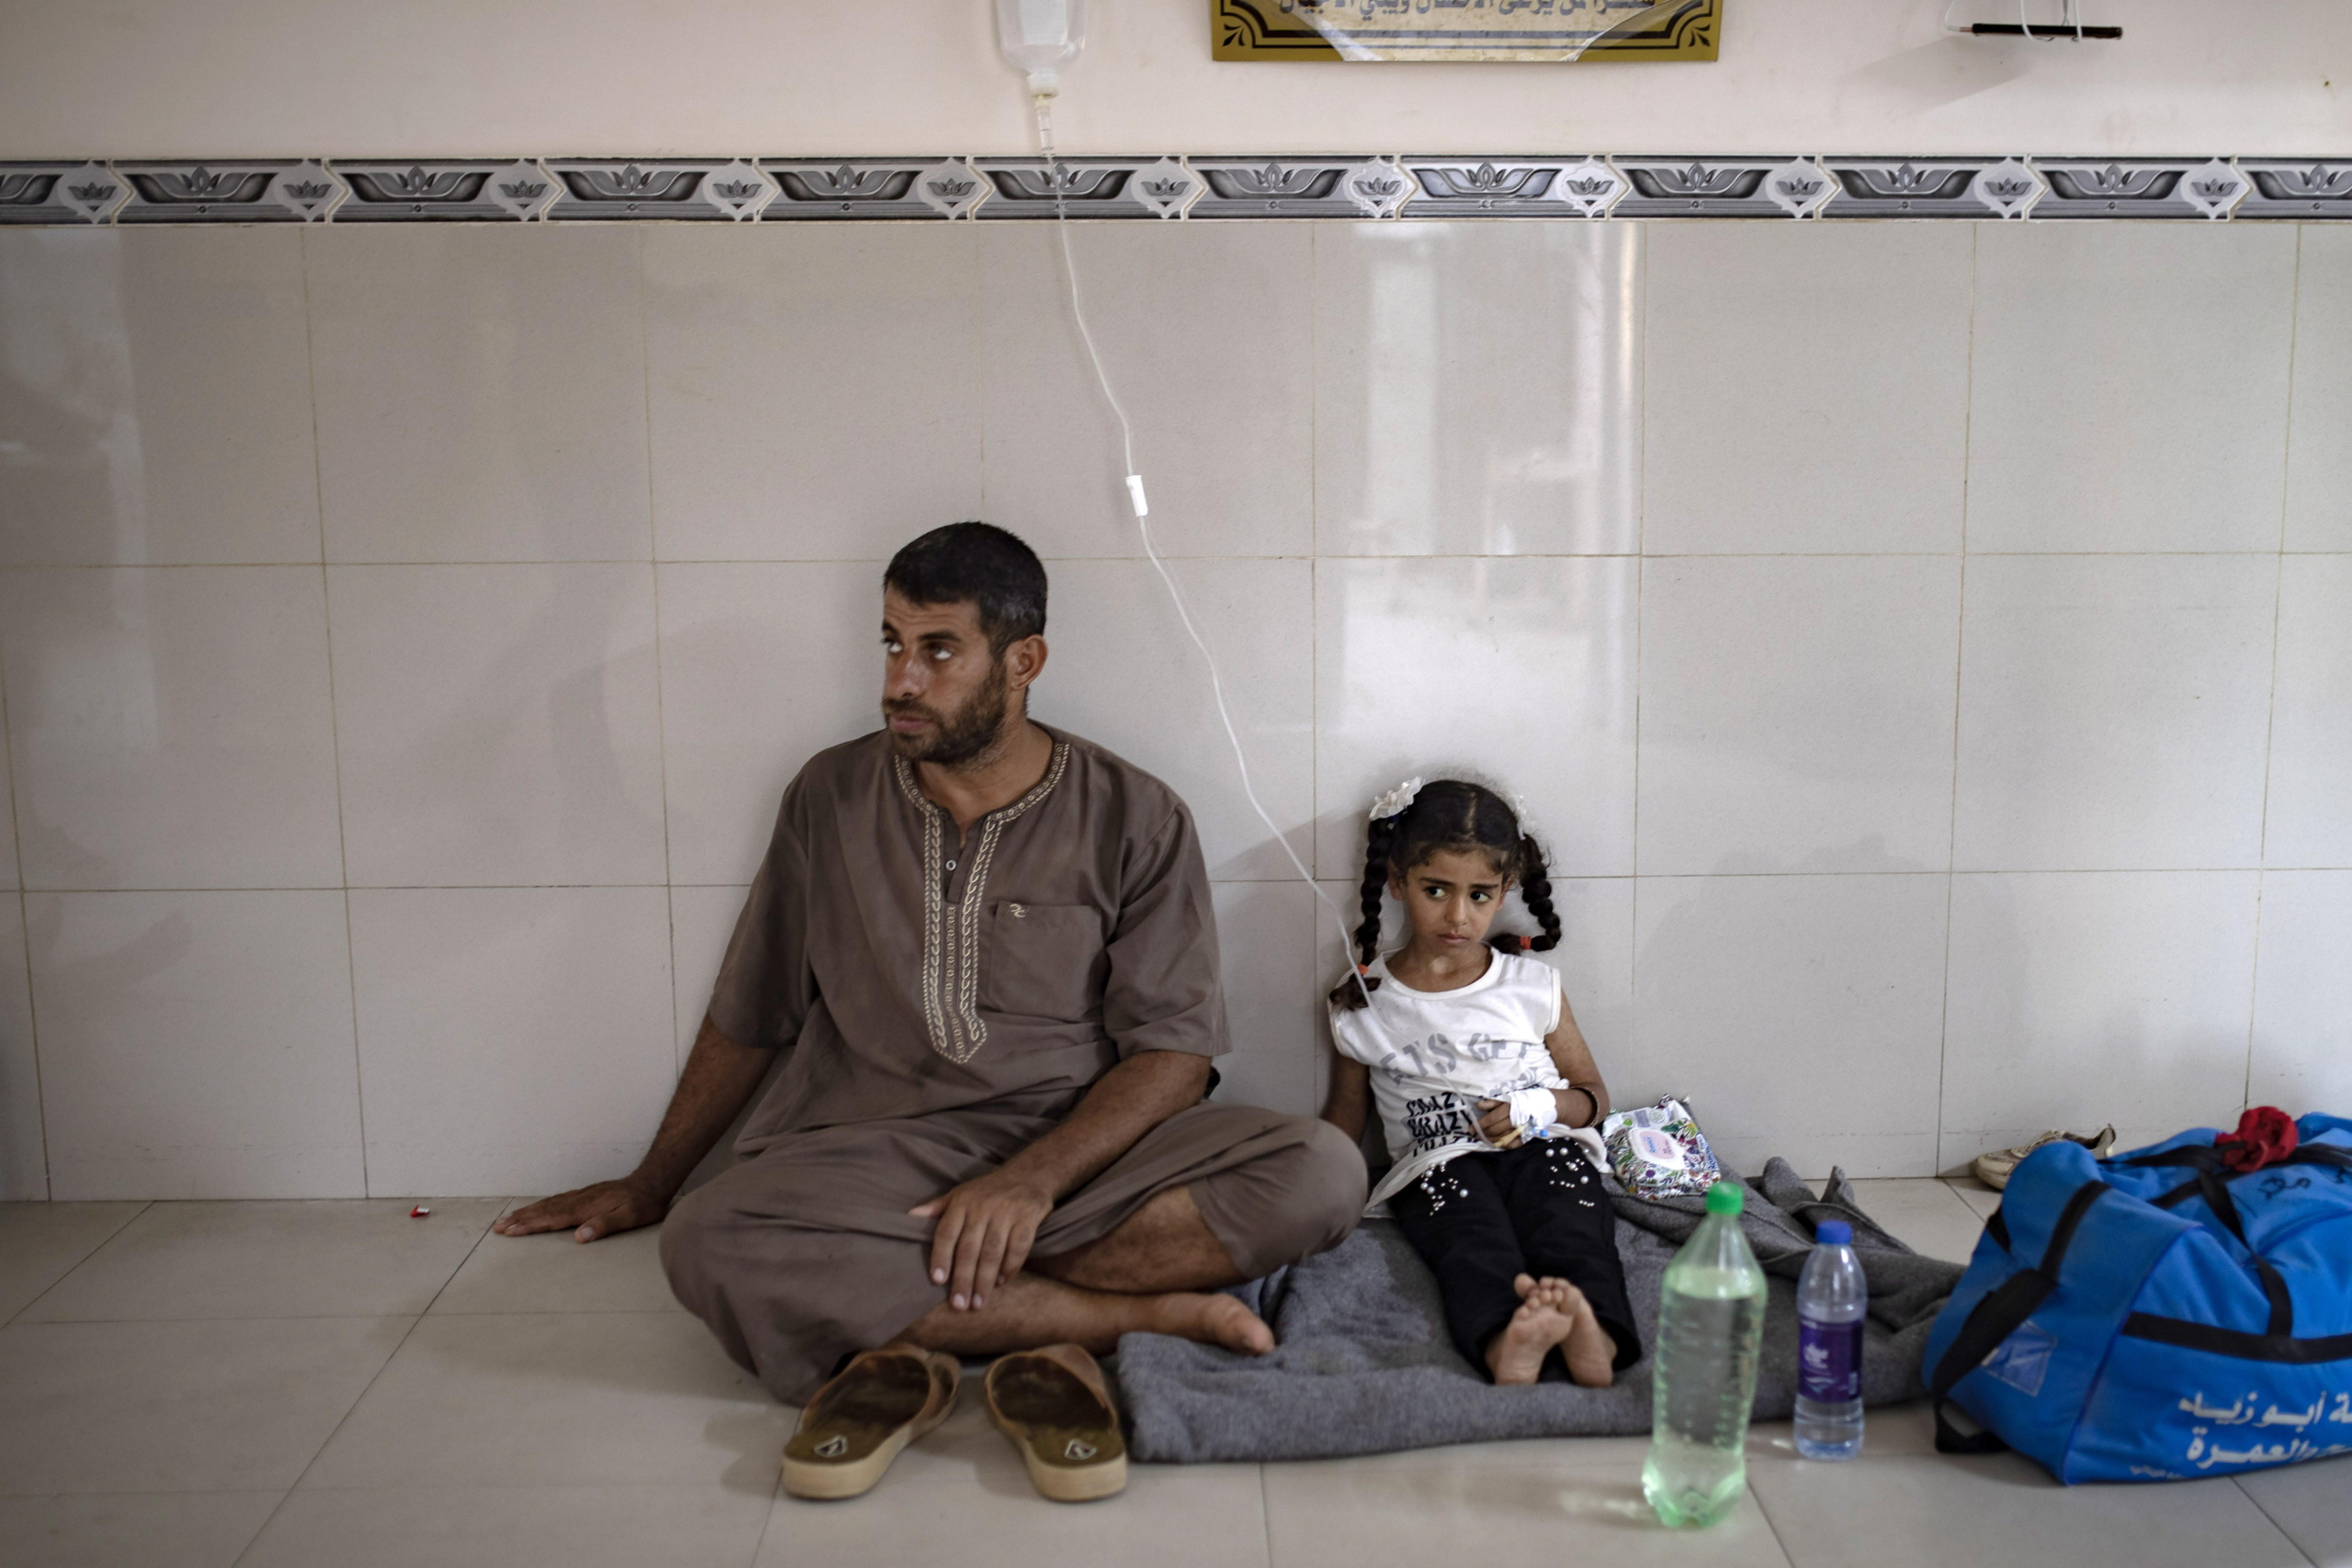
(1465,30)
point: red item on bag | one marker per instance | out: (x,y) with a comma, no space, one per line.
(2266,1135)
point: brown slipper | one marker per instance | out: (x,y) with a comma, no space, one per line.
(849,1433)
(1054,1406)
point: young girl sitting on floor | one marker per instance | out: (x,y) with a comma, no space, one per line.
(1475,1066)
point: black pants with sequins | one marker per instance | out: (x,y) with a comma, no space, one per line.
(1480,1219)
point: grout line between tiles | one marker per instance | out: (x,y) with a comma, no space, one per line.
(2294,1545)
(1787,1556)
(24,932)
(1265,1515)
(1640,544)
(1561,876)
(1959,666)
(1137,559)
(95,1248)
(345,1419)
(653,589)
(2270,716)
(334,720)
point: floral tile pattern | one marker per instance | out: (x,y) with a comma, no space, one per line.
(1350,187)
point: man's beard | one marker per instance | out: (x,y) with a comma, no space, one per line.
(954,739)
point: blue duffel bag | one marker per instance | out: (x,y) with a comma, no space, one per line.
(2157,1315)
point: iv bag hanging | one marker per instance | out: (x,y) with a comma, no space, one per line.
(1040,36)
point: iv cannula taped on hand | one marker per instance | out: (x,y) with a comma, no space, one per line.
(1040,36)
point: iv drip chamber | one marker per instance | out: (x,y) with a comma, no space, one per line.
(1040,36)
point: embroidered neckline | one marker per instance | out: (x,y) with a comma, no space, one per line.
(951,945)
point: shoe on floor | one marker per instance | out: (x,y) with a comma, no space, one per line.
(1053,1406)
(1993,1169)
(882,1401)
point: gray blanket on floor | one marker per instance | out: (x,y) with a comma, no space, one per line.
(1364,1364)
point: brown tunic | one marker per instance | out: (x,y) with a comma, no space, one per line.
(945,1000)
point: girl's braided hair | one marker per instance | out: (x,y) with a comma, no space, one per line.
(1449,815)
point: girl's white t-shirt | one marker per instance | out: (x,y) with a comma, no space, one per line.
(1433,1055)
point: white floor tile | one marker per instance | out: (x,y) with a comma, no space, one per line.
(2312,1503)
(962,1495)
(582,1399)
(1981,1200)
(1931,1510)
(464,341)
(1528,1504)
(516,1527)
(552,1272)
(2079,999)
(1420,448)
(158,396)
(151,1530)
(332,1258)
(512,1038)
(196,1045)
(1853,447)
(236,1404)
(39,1242)
(1887,1429)
(2106,354)
(1925,1214)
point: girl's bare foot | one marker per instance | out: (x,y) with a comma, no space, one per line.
(1516,1354)
(1590,1349)
(1211,1319)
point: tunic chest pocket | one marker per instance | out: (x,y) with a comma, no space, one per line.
(1044,961)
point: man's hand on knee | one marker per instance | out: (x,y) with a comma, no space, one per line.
(986,1228)
(590,1213)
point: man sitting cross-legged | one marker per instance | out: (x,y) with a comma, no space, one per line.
(988,947)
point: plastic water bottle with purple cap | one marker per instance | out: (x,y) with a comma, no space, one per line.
(1832,1297)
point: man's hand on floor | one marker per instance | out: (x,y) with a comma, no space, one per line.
(590,1213)
(986,1228)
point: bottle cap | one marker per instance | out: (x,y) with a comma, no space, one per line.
(1724,1197)
(1834,1233)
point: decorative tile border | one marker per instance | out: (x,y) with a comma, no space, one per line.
(1345,186)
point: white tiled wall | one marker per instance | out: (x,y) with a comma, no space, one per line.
(1928,649)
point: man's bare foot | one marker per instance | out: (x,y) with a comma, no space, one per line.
(1516,1354)
(1211,1319)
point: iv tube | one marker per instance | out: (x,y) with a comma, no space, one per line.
(1044,102)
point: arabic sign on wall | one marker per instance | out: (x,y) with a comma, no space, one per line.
(1465,30)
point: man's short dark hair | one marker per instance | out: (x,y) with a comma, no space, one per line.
(975,564)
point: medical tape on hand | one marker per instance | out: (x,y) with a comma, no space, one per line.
(1532,1110)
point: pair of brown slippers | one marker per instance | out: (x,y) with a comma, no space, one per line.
(1052,1402)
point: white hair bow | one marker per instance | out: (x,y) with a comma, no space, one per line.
(1396,800)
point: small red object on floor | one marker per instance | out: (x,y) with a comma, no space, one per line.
(419,1211)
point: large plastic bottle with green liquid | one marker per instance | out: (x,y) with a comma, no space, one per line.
(1710,1332)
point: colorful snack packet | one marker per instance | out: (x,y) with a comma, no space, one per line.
(1657,1151)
